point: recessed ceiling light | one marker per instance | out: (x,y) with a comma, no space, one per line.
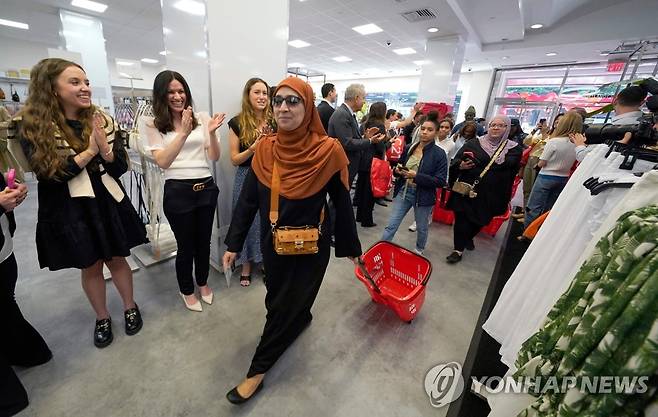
(298,43)
(89,5)
(421,63)
(192,7)
(13,24)
(537,26)
(404,51)
(368,29)
(166,31)
(505,57)
(604,54)
(551,54)
(125,63)
(433,30)
(165,52)
(296,65)
(150,61)
(342,59)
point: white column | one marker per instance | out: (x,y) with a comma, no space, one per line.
(241,39)
(241,48)
(438,82)
(84,35)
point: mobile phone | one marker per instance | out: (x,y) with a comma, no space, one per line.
(403,168)
(11,178)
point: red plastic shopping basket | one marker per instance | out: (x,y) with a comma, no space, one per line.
(395,277)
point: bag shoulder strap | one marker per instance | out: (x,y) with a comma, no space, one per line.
(494,157)
(274,199)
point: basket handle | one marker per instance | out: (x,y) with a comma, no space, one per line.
(362,267)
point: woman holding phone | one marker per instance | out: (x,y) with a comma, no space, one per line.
(182,143)
(422,169)
(85,220)
(488,164)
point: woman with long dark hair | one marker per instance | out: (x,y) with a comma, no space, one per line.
(85,219)
(245,130)
(376,117)
(182,143)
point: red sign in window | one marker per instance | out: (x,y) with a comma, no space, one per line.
(616,66)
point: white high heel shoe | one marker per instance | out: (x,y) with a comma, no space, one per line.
(192,307)
(207,298)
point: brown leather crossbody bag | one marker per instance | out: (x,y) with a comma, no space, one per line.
(291,240)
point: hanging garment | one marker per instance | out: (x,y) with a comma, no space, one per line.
(606,323)
(552,259)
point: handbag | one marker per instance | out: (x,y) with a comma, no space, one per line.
(380,177)
(291,240)
(468,190)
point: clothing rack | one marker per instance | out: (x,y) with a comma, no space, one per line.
(482,358)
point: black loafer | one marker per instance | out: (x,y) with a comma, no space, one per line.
(454,257)
(103,333)
(368,224)
(133,320)
(381,203)
(234,397)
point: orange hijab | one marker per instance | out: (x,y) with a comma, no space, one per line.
(306,157)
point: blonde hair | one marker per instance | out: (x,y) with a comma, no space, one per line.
(43,117)
(247,118)
(571,122)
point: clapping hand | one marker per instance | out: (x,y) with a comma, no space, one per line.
(215,122)
(187,121)
(98,135)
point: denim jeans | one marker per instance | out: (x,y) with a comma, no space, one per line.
(545,191)
(405,200)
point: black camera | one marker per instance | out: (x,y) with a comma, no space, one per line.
(643,132)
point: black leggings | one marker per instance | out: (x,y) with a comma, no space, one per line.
(21,344)
(464,231)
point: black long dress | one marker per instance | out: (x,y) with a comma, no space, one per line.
(78,232)
(293,281)
(493,192)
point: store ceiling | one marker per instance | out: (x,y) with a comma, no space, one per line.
(497,32)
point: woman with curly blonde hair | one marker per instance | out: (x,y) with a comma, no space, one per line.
(245,129)
(84,219)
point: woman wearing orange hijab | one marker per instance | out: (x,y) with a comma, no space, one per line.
(310,165)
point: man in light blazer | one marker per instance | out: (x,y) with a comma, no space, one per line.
(326,106)
(344,126)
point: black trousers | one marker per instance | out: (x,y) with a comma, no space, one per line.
(21,344)
(190,217)
(364,199)
(464,231)
(292,285)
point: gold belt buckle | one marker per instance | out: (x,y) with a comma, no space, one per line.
(199,186)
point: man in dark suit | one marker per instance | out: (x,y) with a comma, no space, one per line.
(343,125)
(326,106)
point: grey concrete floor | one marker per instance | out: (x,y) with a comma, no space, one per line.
(357,358)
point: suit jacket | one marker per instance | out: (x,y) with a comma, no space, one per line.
(343,126)
(325,110)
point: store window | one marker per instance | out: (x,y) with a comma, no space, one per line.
(530,94)
(402,102)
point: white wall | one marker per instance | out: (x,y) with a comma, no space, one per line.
(373,85)
(148,75)
(475,92)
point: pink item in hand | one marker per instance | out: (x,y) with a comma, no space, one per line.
(11,178)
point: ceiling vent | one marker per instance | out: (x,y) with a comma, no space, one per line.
(419,15)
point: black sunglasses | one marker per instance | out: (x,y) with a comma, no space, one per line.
(291,101)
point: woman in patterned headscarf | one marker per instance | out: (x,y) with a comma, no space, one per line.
(493,190)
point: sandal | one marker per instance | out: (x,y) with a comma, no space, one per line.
(245,280)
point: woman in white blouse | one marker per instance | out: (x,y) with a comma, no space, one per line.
(181,143)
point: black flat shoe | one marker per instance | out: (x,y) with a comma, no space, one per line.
(234,397)
(103,333)
(454,257)
(368,224)
(387,199)
(381,203)
(133,321)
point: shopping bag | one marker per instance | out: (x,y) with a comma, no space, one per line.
(380,177)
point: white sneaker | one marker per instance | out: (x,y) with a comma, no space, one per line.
(412,228)
(419,252)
